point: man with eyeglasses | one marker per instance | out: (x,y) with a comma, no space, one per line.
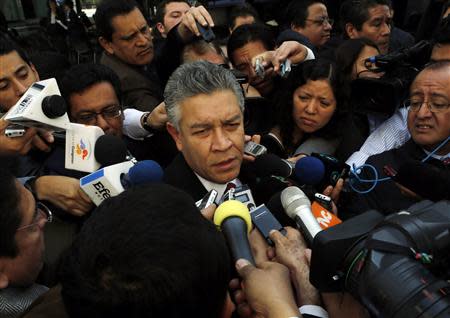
(310,19)
(22,222)
(429,125)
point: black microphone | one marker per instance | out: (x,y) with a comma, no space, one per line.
(110,150)
(233,218)
(54,106)
(269,164)
(424,179)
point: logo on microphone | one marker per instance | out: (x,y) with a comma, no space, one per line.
(82,149)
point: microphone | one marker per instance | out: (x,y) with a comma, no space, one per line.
(309,170)
(324,217)
(41,107)
(269,164)
(233,219)
(113,180)
(298,207)
(88,148)
(426,180)
(320,170)
(109,150)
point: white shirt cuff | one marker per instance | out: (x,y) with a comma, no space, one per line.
(132,124)
(313,310)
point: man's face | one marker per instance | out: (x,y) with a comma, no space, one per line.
(317,25)
(99,98)
(429,129)
(131,40)
(211,135)
(377,28)
(440,52)
(23,269)
(16,76)
(173,14)
(242,58)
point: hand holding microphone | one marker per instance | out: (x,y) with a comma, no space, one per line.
(233,219)
(268,289)
(290,250)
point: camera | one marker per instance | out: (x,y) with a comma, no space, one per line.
(397,266)
(382,95)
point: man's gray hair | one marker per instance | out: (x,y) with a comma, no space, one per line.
(196,78)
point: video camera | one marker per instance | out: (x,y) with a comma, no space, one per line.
(397,266)
(382,95)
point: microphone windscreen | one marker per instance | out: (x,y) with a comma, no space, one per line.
(425,180)
(146,171)
(309,170)
(269,164)
(54,106)
(110,150)
(291,198)
(232,208)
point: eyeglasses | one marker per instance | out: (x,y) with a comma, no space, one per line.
(322,21)
(41,212)
(108,113)
(436,106)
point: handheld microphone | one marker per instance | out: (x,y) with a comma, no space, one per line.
(298,207)
(324,217)
(309,170)
(233,219)
(113,180)
(41,107)
(88,148)
(269,164)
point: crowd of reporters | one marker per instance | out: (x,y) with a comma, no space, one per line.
(354,116)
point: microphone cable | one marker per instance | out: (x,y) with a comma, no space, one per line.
(355,179)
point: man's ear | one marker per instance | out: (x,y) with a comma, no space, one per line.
(160,28)
(296,28)
(106,45)
(4,281)
(351,31)
(175,135)
(36,74)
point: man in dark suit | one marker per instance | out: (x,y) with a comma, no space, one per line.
(205,107)
(128,49)
(429,126)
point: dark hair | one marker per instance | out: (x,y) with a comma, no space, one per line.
(10,217)
(7,46)
(247,33)
(243,10)
(82,76)
(161,9)
(297,12)
(201,47)
(68,3)
(356,12)
(310,70)
(442,34)
(346,56)
(146,253)
(108,10)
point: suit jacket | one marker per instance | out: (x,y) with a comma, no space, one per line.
(139,90)
(48,305)
(180,175)
(264,189)
(143,89)
(387,197)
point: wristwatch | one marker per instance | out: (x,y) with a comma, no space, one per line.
(145,124)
